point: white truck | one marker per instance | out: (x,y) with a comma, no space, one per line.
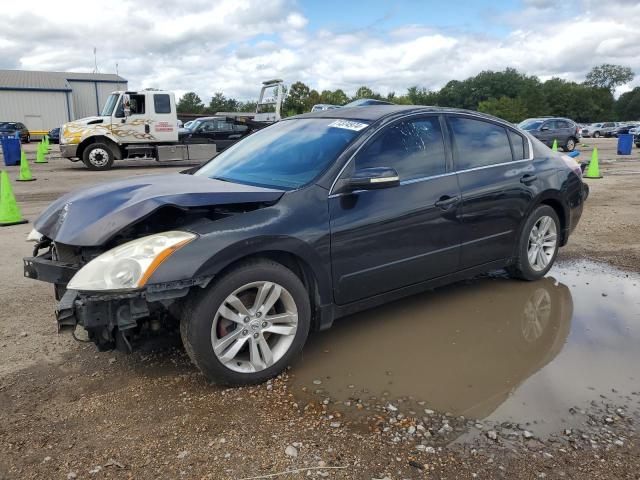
(132,125)
(144,124)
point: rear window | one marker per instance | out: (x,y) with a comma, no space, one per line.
(518,145)
(478,143)
(162,103)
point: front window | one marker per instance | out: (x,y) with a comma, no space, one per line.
(530,124)
(107,111)
(287,155)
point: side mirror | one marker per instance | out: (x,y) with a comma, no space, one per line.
(373,179)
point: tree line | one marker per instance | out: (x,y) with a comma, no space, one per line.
(508,94)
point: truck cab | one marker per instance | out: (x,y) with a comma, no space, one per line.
(131,125)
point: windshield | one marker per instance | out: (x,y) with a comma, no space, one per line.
(288,154)
(110,105)
(193,125)
(530,124)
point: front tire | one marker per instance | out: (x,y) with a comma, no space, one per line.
(538,245)
(247,326)
(596,134)
(98,156)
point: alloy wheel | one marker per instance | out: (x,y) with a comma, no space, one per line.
(254,327)
(537,312)
(543,241)
(570,145)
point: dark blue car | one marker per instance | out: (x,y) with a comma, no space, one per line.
(310,219)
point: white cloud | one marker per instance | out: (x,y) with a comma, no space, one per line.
(233,45)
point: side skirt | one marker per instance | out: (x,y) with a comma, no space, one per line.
(367,303)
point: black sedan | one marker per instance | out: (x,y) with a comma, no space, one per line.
(54,135)
(11,128)
(305,221)
(214,130)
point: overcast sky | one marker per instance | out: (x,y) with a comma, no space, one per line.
(231,46)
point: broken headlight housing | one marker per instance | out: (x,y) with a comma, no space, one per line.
(129,266)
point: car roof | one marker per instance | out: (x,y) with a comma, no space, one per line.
(373,113)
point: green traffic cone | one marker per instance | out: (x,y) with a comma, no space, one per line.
(40,156)
(593,170)
(9,210)
(46,144)
(25,172)
(554,147)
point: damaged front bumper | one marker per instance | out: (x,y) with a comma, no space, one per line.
(112,319)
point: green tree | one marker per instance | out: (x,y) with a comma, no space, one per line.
(220,103)
(419,96)
(609,76)
(366,92)
(628,105)
(297,98)
(510,109)
(190,103)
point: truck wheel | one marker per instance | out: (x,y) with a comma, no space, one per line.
(98,156)
(247,326)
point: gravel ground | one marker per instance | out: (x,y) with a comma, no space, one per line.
(69,412)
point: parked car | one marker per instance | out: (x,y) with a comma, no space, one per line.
(215,129)
(563,130)
(312,218)
(362,102)
(624,129)
(54,135)
(323,106)
(597,130)
(11,128)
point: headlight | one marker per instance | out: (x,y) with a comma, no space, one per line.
(129,265)
(34,236)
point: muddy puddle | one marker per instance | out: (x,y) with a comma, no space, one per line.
(489,348)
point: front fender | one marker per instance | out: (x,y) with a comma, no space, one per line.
(297,225)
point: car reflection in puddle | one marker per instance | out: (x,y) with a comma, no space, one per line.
(489,347)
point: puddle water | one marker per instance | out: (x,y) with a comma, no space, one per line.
(490,348)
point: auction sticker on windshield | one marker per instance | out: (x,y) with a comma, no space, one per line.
(349,125)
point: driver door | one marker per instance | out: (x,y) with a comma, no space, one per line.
(134,127)
(389,238)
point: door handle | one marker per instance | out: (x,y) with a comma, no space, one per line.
(527,179)
(146,128)
(445,202)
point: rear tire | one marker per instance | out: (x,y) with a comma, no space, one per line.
(98,156)
(261,353)
(570,145)
(538,245)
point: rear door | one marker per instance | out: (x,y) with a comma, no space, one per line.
(497,182)
(224,134)
(548,132)
(390,238)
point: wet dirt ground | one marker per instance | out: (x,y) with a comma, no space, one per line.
(489,378)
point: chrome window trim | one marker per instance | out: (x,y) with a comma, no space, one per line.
(421,179)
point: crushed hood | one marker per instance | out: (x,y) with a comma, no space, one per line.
(91,216)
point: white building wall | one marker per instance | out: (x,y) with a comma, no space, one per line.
(84,99)
(37,110)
